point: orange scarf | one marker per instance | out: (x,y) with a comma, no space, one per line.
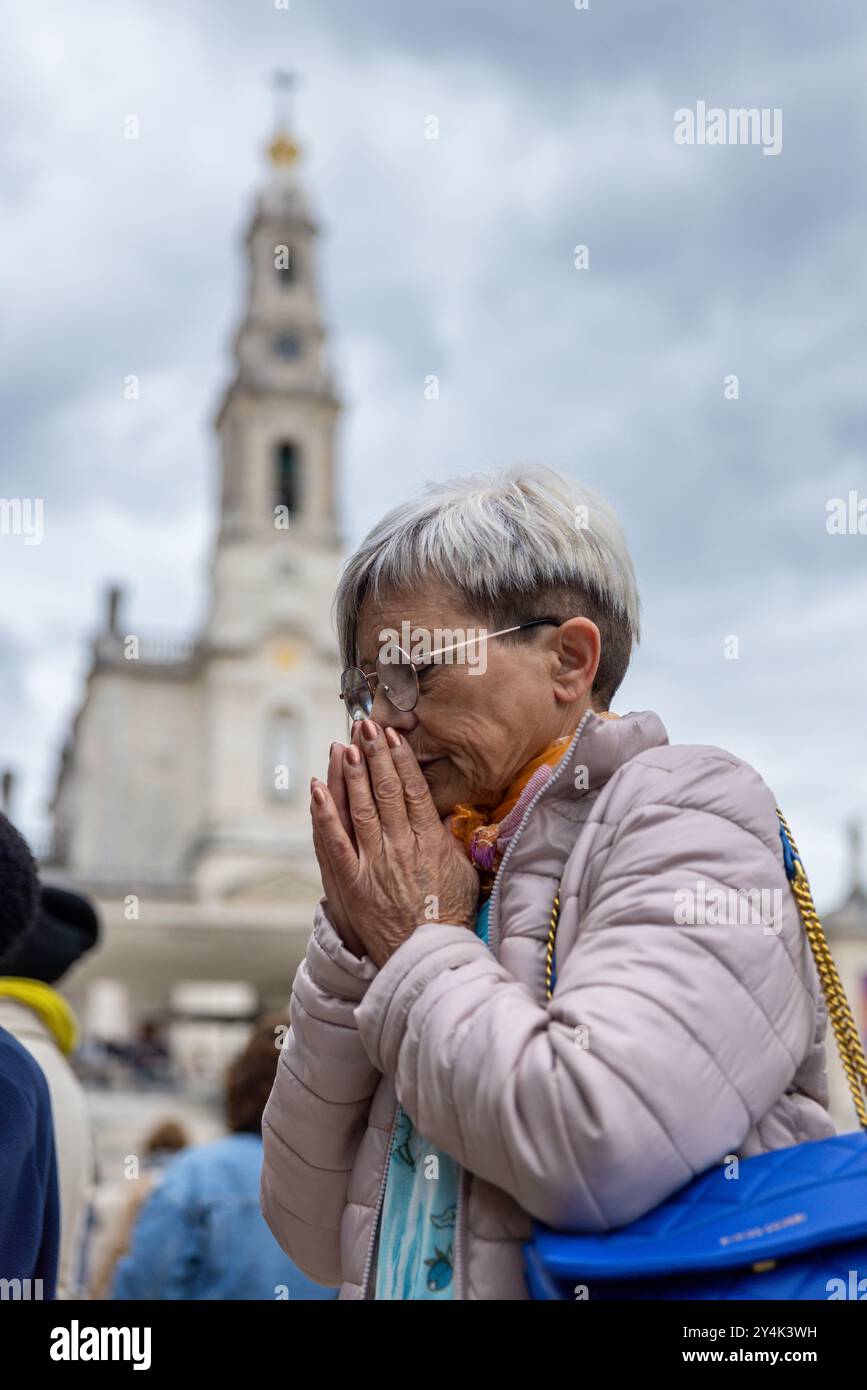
(478,828)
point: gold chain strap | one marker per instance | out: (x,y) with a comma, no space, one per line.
(846,1036)
(549,953)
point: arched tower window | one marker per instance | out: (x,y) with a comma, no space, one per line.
(287,476)
(284,265)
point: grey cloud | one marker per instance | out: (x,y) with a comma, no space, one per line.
(556,129)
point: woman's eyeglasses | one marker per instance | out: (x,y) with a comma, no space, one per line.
(398,677)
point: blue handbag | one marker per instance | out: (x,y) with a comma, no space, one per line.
(792,1226)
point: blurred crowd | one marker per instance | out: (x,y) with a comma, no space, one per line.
(190,1226)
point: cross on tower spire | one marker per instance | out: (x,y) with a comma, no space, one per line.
(283,149)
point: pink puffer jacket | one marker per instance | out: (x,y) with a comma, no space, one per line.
(665,1047)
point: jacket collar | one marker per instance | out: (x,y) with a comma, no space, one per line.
(601,746)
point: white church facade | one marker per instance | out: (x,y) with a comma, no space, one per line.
(181,804)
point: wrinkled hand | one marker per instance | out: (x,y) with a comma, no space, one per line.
(388,863)
(338,909)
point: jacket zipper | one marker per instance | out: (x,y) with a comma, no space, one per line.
(461,1203)
(493,935)
(365,1278)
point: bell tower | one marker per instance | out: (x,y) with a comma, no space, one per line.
(268,706)
(277,421)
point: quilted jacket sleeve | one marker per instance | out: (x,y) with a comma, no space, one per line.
(663,1043)
(317,1111)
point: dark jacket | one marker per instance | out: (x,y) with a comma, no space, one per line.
(29,1201)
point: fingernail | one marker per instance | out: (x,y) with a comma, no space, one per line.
(369,730)
(312,780)
(319,796)
(331,749)
(392,738)
(352,755)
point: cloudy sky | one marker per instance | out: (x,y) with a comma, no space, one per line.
(456,257)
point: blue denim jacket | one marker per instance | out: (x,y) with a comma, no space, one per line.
(201,1235)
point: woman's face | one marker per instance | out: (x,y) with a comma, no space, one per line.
(490,708)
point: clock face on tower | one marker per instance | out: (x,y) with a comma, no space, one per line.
(288,346)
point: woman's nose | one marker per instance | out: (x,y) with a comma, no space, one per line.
(389,716)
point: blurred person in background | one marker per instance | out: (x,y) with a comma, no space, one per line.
(200,1234)
(63,930)
(29,1195)
(164,1142)
(149,1056)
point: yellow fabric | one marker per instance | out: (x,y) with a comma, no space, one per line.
(51,1007)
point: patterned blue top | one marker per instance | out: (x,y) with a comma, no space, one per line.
(416,1237)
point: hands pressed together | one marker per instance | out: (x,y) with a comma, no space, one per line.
(388,863)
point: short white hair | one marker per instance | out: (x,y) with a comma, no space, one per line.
(513,544)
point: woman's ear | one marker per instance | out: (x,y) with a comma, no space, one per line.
(579,647)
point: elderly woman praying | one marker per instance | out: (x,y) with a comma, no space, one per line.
(448,1076)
